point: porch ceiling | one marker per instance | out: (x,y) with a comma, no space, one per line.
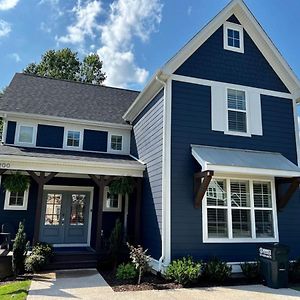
(64,161)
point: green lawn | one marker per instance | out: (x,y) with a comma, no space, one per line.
(17,290)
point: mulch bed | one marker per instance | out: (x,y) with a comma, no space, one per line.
(149,282)
(157,282)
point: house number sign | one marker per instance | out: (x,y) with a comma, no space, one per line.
(266,253)
(4,165)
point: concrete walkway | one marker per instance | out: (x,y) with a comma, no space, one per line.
(89,284)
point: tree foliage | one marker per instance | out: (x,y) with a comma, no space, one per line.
(65,64)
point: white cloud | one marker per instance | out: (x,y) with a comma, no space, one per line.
(8,4)
(15,56)
(44,27)
(85,23)
(5,28)
(127,19)
(189,10)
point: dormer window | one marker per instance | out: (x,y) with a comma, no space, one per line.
(26,134)
(73,139)
(233,37)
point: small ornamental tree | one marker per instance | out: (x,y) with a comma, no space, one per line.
(20,249)
(140,259)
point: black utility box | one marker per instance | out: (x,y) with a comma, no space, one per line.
(274,265)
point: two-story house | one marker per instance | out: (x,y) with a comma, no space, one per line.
(213,135)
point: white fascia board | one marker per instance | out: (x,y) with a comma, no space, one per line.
(255,31)
(23,115)
(151,89)
(25,163)
(252,171)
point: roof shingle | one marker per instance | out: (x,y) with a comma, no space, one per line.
(67,99)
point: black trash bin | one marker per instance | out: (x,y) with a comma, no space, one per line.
(274,265)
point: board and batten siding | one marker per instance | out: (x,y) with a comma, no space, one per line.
(191,124)
(147,144)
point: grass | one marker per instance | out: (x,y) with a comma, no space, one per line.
(16,290)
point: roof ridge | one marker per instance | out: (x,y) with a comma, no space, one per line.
(78,82)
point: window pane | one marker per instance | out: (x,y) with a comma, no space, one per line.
(77,209)
(16,199)
(237,121)
(241,223)
(264,223)
(217,223)
(53,209)
(112,200)
(236,99)
(216,193)
(26,134)
(230,33)
(240,196)
(116,142)
(73,138)
(262,194)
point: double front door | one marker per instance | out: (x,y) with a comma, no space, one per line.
(65,217)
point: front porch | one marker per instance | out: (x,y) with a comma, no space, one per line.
(70,209)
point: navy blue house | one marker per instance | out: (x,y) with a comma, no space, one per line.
(212,143)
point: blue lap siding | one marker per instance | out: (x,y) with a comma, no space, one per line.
(146,144)
(191,124)
(50,136)
(212,62)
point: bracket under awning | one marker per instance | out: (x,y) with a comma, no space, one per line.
(201,183)
(282,200)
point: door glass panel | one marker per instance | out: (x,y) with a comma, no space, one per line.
(53,209)
(77,209)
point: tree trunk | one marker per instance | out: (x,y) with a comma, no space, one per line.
(140,276)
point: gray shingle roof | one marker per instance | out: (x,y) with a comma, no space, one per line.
(69,155)
(67,99)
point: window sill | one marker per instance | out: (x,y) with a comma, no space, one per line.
(244,134)
(112,209)
(240,240)
(15,208)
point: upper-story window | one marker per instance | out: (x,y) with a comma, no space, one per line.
(236,110)
(116,142)
(26,134)
(73,139)
(233,37)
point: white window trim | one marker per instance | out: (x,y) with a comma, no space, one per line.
(65,144)
(252,239)
(238,133)
(109,148)
(17,135)
(236,27)
(111,209)
(16,207)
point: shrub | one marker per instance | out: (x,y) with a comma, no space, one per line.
(184,271)
(43,249)
(294,270)
(217,271)
(34,263)
(251,270)
(20,248)
(140,259)
(126,272)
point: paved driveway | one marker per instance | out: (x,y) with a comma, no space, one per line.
(89,284)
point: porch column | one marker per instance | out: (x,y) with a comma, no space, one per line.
(137,227)
(41,180)
(100,182)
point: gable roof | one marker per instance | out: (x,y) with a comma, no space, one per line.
(30,94)
(244,16)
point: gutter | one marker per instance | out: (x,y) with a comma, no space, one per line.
(163,251)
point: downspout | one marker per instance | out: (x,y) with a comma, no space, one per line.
(161,259)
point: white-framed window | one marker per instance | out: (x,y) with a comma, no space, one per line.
(111,202)
(116,142)
(25,134)
(236,111)
(16,201)
(73,139)
(240,210)
(233,37)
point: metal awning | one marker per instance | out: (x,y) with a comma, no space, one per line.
(241,161)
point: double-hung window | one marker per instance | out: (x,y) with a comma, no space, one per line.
(16,201)
(240,210)
(236,111)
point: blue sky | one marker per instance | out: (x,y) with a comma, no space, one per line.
(133,37)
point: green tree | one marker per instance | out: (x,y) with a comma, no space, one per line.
(65,64)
